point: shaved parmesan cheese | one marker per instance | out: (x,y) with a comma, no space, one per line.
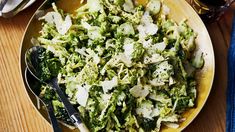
(147,44)
(151,29)
(171,125)
(154,6)
(159,46)
(94,33)
(96,59)
(128,6)
(113,62)
(62,26)
(128,48)
(51,48)
(50,17)
(191,103)
(139,91)
(108,85)
(86,25)
(126,29)
(106,98)
(155,112)
(89,54)
(94,5)
(145,110)
(141,31)
(146,19)
(122,57)
(92,54)
(147,26)
(171,81)
(82,51)
(128,41)
(82,94)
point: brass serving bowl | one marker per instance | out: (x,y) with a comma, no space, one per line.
(180,10)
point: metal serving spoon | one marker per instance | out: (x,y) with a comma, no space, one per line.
(2,4)
(32,61)
(29,78)
(15,10)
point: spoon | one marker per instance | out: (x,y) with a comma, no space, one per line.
(2,4)
(32,62)
(29,79)
(12,7)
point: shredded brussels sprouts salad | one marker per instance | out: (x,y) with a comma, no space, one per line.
(124,66)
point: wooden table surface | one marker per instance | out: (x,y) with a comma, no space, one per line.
(17,113)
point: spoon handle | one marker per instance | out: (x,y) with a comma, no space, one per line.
(73,114)
(2,4)
(29,78)
(52,117)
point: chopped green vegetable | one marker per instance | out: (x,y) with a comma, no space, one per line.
(124,67)
(198,60)
(154,6)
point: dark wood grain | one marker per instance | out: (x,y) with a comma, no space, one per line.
(17,114)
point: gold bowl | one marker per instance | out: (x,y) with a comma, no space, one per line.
(179,10)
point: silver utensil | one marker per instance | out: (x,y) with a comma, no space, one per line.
(32,62)
(2,4)
(33,86)
(13,12)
